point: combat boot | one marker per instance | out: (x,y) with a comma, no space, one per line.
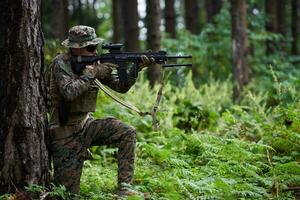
(125,191)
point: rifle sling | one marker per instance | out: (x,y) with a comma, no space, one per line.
(120,101)
(132,107)
(154,110)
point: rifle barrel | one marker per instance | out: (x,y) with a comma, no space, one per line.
(177,65)
(179,56)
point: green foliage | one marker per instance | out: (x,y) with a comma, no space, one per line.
(93,179)
(206,148)
(97,16)
(54,191)
(211,49)
(203,112)
(52,48)
(5,197)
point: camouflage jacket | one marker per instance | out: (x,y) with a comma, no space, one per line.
(67,88)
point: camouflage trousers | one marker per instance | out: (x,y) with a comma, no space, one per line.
(69,153)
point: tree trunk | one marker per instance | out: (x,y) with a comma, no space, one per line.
(153,38)
(192,21)
(294,27)
(281,12)
(23,152)
(116,13)
(130,24)
(59,19)
(213,8)
(275,10)
(271,26)
(87,5)
(281,16)
(94,3)
(170,18)
(79,19)
(239,46)
(74,9)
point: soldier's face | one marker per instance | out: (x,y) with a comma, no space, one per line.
(91,48)
(86,51)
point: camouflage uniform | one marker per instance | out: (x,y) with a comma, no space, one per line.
(75,97)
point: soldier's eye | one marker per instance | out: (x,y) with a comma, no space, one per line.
(91,48)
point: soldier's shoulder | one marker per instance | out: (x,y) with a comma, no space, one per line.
(61,61)
(61,58)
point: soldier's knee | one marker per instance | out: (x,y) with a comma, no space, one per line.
(131,133)
(132,129)
(127,132)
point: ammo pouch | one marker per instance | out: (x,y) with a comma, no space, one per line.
(63,112)
(85,102)
(60,132)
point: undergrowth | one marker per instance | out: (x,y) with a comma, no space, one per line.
(206,147)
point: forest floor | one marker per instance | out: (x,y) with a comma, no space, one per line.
(207,147)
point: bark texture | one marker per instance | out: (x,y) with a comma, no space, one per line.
(59,19)
(170,18)
(23,151)
(192,21)
(153,38)
(130,24)
(116,13)
(239,46)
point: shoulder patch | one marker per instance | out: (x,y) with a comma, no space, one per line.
(66,68)
(60,60)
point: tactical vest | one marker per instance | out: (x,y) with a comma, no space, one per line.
(75,111)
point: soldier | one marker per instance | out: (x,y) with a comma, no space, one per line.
(72,129)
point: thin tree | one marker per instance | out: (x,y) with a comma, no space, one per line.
(170,18)
(59,19)
(153,37)
(79,11)
(212,8)
(74,9)
(130,24)
(94,6)
(23,152)
(271,24)
(192,20)
(116,13)
(192,23)
(239,46)
(281,16)
(87,5)
(276,22)
(294,26)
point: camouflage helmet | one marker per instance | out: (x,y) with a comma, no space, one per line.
(81,36)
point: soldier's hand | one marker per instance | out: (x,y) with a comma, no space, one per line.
(104,69)
(90,71)
(146,61)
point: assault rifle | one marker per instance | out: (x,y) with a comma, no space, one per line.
(120,58)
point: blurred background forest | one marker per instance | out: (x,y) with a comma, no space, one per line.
(229,127)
